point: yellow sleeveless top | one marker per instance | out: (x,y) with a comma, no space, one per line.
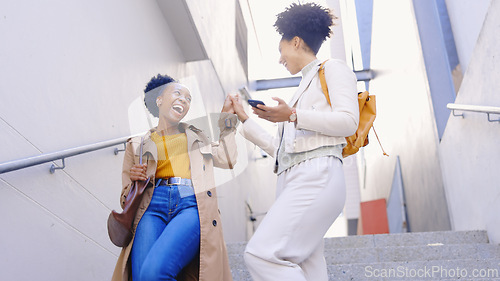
(173,158)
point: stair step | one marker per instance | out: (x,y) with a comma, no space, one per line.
(412,253)
(236,248)
(407,239)
(399,254)
(436,253)
(395,239)
(240,275)
(237,262)
(466,269)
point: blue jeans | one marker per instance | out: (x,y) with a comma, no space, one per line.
(167,237)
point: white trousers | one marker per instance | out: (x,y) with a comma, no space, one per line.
(288,244)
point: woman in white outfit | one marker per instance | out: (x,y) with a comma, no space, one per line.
(288,244)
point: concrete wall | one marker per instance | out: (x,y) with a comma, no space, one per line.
(469,148)
(72,73)
(466,18)
(460,171)
(69,73)
(222,53)
(405,121)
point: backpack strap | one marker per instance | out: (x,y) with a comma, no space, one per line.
(322,79)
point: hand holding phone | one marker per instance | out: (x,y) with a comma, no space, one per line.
(254,103)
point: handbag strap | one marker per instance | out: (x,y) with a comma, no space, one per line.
(140,150)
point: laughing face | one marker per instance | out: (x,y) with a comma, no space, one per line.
(289,55)
(174,103)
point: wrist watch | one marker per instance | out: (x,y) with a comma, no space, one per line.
(293,116)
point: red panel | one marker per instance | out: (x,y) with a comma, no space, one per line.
(373,217)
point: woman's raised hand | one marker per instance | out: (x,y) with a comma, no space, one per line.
(228,105)
(238,108)
(138,172)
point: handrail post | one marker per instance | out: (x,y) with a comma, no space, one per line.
(53,168)
(457,115)
(116,151)
(490,120)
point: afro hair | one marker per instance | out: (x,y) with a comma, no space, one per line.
(158,81)
(309,21)
(153,90)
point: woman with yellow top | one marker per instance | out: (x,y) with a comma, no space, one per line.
(177,230)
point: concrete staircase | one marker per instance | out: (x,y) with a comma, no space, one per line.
(445,255)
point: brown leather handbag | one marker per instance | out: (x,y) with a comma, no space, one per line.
(367,114)
(120,224)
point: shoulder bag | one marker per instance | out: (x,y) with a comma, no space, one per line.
(120,224)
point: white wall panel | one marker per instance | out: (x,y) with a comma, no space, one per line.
(36,245)
(469,149)
(466,19)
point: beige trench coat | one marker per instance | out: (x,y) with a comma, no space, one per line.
(213,264)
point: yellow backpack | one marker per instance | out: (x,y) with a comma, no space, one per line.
(367,114)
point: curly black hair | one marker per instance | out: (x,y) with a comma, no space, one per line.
(151,96)
(309,21)
(157,81)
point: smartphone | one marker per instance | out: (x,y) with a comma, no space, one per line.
(254,103)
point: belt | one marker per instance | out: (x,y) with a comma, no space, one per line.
(175,181)
(184,186)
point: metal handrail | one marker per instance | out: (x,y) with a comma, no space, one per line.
(48,157)
(474,108)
